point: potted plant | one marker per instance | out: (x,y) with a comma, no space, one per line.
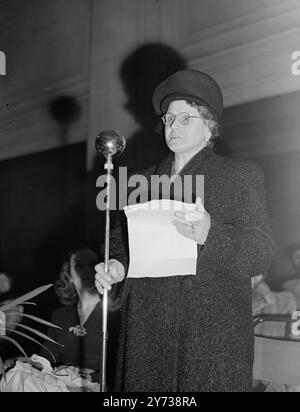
(9,334)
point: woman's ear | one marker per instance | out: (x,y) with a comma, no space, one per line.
(208,133)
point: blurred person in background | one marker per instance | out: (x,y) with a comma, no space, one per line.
(6,283)
(80,318)
(268,302)
(292,282)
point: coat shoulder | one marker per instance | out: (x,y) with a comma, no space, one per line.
(62,314)
(242,169)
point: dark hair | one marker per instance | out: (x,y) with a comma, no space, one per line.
(85,261)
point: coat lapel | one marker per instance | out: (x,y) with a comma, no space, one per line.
(165,167)
(195,167)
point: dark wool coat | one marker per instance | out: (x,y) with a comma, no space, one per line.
(195,333)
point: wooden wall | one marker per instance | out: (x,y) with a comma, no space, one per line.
(44,94)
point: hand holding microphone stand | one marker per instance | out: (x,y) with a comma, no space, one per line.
(108,143)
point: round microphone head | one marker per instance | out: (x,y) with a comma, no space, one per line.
(110,143)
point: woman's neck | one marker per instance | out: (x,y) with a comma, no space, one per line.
(181,159)
(87,298)
(86,304)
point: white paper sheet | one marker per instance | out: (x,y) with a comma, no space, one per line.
(156,248)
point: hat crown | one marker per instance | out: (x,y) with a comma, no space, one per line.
(189,84)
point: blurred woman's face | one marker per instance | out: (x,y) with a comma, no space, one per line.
(4,283)
(186,138)
(81,274)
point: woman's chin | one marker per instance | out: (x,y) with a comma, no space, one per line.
(175,145)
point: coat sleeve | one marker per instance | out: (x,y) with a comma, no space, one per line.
(119,250)
(119,240)
(244,246)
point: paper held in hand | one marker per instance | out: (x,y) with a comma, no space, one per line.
(156,248)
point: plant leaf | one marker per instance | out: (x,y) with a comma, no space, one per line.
(40,334)
(32,339)
(23,298)
(29,303)
(39,320)
(14,342)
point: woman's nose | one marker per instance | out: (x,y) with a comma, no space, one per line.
(174,123)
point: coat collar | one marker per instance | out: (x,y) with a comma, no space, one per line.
(192,166)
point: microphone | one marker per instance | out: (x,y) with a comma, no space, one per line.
(110,143)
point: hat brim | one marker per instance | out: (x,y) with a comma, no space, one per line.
(181,96)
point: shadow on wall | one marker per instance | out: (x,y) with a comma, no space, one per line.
(65,110)
(141,72)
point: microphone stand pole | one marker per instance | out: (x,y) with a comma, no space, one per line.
(109,167)
(108,143)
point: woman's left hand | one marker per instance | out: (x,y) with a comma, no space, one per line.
(194,225)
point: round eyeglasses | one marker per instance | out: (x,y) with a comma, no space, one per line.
(183,118)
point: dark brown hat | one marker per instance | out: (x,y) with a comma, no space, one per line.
(188,85)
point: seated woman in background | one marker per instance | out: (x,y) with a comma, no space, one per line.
(267,302)
(81,318)
(291,283)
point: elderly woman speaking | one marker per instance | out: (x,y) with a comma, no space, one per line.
(195,333)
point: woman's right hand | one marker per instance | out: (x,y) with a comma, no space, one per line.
(103,280)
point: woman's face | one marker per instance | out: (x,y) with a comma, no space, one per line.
(4,283)
(81,274)
(189,138)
